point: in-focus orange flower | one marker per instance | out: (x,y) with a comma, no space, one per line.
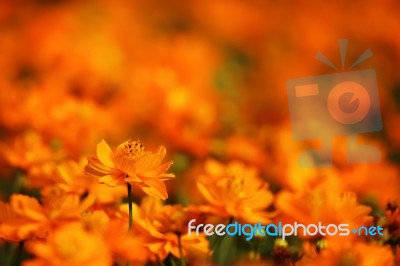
(234,191)
(130,163)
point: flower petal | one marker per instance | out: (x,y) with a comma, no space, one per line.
(159,172)
(206,194)
(155,188)
(148,162)
(125,164)
(162,151)
(104,153)
(112,180)
(27,207)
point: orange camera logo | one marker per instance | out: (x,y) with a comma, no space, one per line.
(341,104)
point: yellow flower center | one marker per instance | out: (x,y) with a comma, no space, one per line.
(235,185)
(133,149)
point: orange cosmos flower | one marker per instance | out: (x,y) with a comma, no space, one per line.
(24,217)
(382,177)
(70,245)
(68,176)
(235,191)
(393,220)
(126,246)
(26,151)
(163,225)
(131,164)
(349,253)
(323,203)
(120,242)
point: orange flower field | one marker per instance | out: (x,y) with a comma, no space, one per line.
(167,133)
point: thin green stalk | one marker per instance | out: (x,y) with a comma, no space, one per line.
(172,261)
(182,260)
(17,255)
(129,186)
(130,205)
(159,261)
(218,240)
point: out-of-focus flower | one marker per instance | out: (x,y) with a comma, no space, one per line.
(234,191)
(130,163)
(322,203)
(284,159)
(69,176)
(350,253)
(166,226)
(281,253)
(382,177)
(70,245)
(24,217)
(393,220)
(180,72)
(26,151)
(249,30)
(127,246)
(247,150)
(119,241)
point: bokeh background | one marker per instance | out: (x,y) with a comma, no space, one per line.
(206,79)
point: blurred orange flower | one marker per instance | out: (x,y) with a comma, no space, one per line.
(123,243)
(322,203)
(350,253)
(120,242)
(68,175)
(27,150)
(382,177)
(70,245)
(131,164)
(393,220)
(24,217)
(234,191)
(166,226)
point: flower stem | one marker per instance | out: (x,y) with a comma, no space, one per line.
(218,240)
(129,186)
(180,251)
(17,255)
(159,261)
(130,205)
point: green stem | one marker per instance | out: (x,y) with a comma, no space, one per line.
(182,260)
(219,239)
(18,179)
(159,261)
(17,254)
(129,186)
(130,205)
(172,261)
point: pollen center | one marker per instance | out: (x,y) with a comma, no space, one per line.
(235,184)
(133,149)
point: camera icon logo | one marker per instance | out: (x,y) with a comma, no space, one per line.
(340,93)
(341,104)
